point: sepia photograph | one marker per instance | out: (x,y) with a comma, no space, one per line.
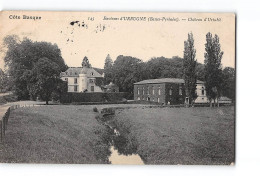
(123,88)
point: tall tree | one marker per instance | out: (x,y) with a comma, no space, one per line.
(85,62)
(44,79)
(126,71)
(21,56)
(213,57)
(189,69)
(108,70)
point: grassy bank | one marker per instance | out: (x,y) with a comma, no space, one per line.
(55,134)
(199,135)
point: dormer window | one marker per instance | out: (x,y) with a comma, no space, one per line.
(92,74)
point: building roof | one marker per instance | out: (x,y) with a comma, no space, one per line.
(224,99)
(164,80)
(75,71)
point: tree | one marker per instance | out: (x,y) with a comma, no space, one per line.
(44,79)
(213,77)
(20,58)
(189,69)
(108,70)
(229,81)
(3,81)
(200,72)
(85,62)
(161,67)
(126,71)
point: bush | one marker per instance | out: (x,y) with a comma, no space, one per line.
(71,97)
(95,109)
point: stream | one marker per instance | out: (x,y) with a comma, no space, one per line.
(117,157)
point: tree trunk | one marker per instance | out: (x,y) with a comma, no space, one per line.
(217,102)
(214,102)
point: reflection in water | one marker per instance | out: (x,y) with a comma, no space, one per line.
(121,150)
(116,158)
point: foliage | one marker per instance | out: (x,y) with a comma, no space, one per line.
(85,62)
(99,81)
(3,81)
(95,109)
(20,58)
(213,77)
(126,71)
(200,71)
(229,81)
(44,79)
(108,70)
(189,68)
(72,97)
(162,67)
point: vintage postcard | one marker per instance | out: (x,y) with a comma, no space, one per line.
(117,88)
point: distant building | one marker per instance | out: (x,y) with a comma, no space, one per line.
(224,100)
(82,79)
(166,90)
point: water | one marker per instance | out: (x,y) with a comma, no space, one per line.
(116,158)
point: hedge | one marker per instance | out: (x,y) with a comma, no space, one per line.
(71,97)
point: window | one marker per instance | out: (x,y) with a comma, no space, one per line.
(92,80)
(75,88)
(180,90)
(92,74)
(138,98)
(75,80)
(202,91)
(153,90)
(170,92)
(143,90)
(159,91)
(158,100)
(92,88)
(148,90)
(138,91)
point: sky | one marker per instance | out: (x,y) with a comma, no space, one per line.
(80,34)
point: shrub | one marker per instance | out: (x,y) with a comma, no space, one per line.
(95,109)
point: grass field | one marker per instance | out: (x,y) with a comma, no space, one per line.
(179,135)
(55,134)
(71,134)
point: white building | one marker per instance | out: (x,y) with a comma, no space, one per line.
(201,93)
(82,79)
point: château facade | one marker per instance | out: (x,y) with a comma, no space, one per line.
(82,79)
